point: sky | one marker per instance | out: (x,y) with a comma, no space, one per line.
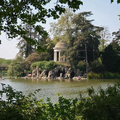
(104,14)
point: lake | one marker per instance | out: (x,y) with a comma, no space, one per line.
(50,89)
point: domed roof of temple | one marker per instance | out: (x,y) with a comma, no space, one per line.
(60,45)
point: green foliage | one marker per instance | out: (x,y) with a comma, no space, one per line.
(34,57)
(64,64)
(93,75)
(5,62)
(48,65)
(109,75)
(85,39)
(16,68)
(118,1)
(44,56)
(104,38)
(111,57)
(15,12)
(99,105)
(26,47)
(21,107)
(61,29)
(97,66)
(80,34)
(82,66)
(16,106)
(103,75)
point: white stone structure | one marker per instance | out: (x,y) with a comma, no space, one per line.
(57,51)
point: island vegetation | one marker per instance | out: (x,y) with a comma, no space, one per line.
(89,48)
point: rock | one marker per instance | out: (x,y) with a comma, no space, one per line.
(51,74)
(61,78)
(35,72)
(59,73)
(43,74)
(68,74)
(78,78)
(44,78)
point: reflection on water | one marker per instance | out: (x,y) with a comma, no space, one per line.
(50,89)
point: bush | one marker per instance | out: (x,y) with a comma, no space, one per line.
(111,57)
(16,68)
(93,75)
(97,66)
(82,66)
(100,105)
(45,56)
(48,65)
(5,62)
(109,75)
(105,75)
(20,107)
(33,57)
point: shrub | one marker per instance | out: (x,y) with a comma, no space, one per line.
(16,68)
(97,66)
(33,57)
(99,105)
(44,56)
(105,75)
(20,107)
(5,62)
(48,65)
(117,75)
(93,75)
(82,66)
(109,75)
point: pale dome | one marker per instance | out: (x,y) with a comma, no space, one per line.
(60,45)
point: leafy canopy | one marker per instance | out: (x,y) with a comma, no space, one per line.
(118,1)
(15,12)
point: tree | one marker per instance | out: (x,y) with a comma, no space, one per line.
(16,68)
(34,57)
(83,44)
(5,62)
(111,57)
(26,47)
(116,36)
(105,38)
(80,34)
(61,29)
(118,1)
(49,47)
(15,12)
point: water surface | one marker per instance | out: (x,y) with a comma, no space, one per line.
(50,89)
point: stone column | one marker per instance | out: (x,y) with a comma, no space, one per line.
(59,56)
(55,55)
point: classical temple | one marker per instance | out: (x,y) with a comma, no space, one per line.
(58,49)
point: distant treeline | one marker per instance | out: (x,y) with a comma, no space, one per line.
(4,62)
